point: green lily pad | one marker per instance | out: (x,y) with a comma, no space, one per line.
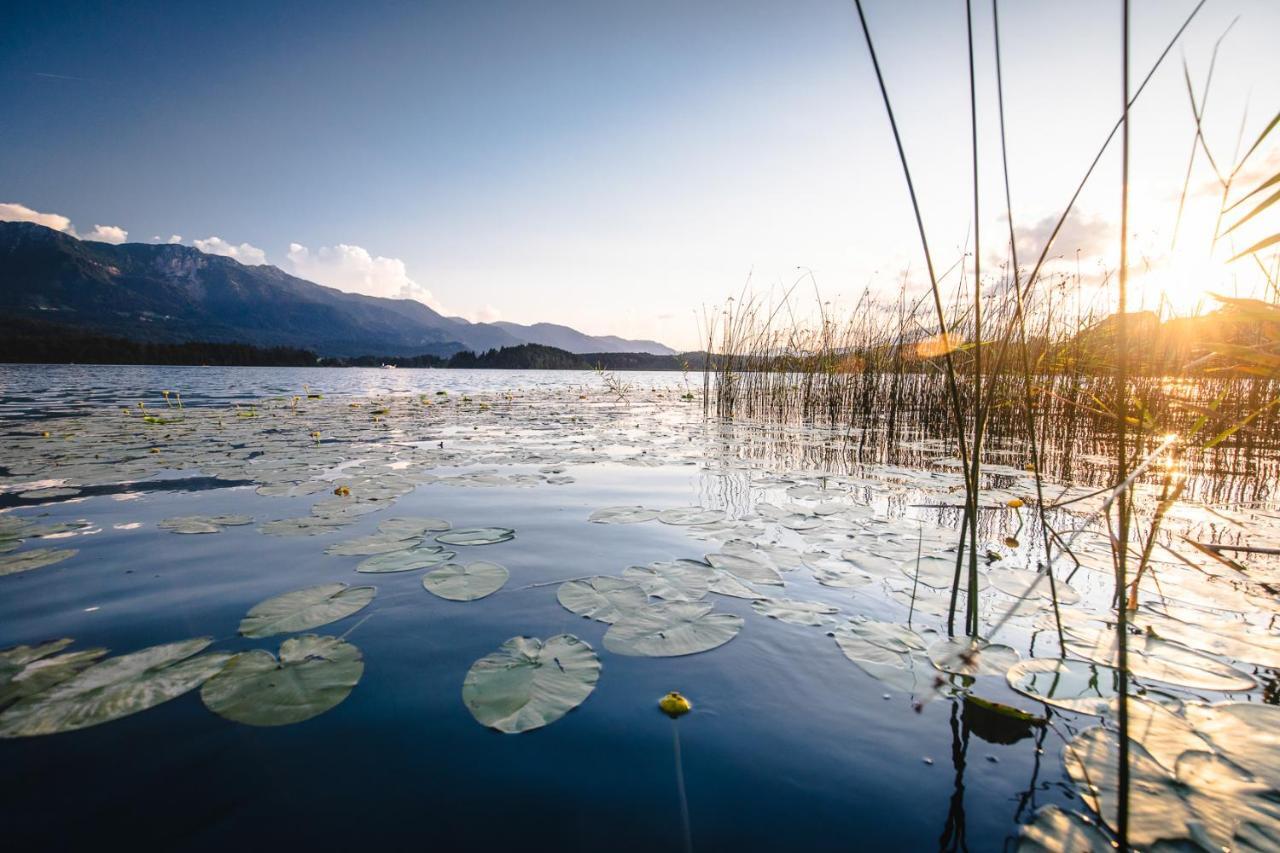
(972,657)
(623,515)
(603,598)
(1055,830)
(477,536)
(114,688)
(412,528)
(369,546)
(671,629)
(312,675)
(745,568)
(305,609)
(690,515)
(421,557)
(811,613)
(36,558)
(527,683)
(465,583)
(677,580)
(28,670)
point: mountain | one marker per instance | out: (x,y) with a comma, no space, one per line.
(173,293)
(571,340)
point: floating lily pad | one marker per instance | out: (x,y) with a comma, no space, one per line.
(477,536)
(794,612)
(1055,830)
(408,560)
(412,528)
(671,629)
(114,688)
(369,546)
(1156,659)
(678,580)
(203,523)
(465,583)
(305,609)
(312,675)
(724,583)
(602,598)
(690,515)
(746,568)
(49,492)
(28,670)
(1073,685)
(623,515)
(971,657)
(35,558)
(527,683)
(1248,733)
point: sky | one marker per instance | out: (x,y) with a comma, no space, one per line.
(619,166)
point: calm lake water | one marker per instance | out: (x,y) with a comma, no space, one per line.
(790,745)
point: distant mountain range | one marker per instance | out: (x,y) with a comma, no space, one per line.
(174,293)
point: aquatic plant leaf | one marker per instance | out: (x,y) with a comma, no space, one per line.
(114,688)
(938,572)
(690,515)
(972,657)
(369,546)
(677,580)
(35,558)
(527,683)
(1055,830)
(793,612)
(723,583)
(745,568)
(312,675)
(602,598)
(203,523)
(1158,660)
(476,536)
(305,609)
(671,629)
(412,528)
(49,492)
(28,670)
(622,515)
(1233,810)
(1025,583)
(1073,685)
(1230,639)
(406,560)
(1248,733)
(1156,809)
(465,583)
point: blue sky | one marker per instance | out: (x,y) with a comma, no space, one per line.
(613,166)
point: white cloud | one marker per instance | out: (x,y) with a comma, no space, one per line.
(11,212)
(107,234)
(486,314)
(174,238)
(244,253)
(354,270)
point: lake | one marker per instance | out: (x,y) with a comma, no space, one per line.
(806,626)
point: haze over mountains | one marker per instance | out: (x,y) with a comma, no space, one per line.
(169,292)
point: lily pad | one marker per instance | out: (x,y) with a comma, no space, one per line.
(690,515)
(1158,660)
(677,580)
(1055,830)
(203,523)
(412,528)
(527,683)
(477,536)
(671,629)
(312,675)
(369,546)
(35,558)
(603,598)
(465,583)
(623,515)
(971,657)
(791,611)
(411,559)
(746,568)
(114,688)
(28,670)
(305,609)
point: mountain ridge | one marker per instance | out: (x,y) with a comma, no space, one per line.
(175,293)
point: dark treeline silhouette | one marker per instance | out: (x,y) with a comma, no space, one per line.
(41,343)
(532,357)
